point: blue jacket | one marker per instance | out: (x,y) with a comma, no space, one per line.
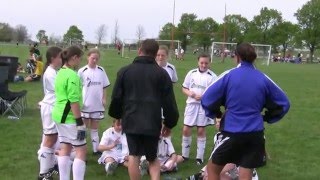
(244,91)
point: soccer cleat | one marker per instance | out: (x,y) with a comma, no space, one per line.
(111,168)
(254,175)
(199,162)
(46,176)
(144,167)
(54,170)
(185,158)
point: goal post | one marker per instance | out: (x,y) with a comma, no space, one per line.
(131,46)
(226,49)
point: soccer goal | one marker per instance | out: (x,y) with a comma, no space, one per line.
(131,46)
(221,50)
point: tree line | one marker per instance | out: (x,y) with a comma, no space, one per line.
(268,27)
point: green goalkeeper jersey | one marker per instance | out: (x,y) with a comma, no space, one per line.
(67,90)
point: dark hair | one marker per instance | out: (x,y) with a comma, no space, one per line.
(246,52)
(204,55)
(149,47)
(52,52)
(71,51)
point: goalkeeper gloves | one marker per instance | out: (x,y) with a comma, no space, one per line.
(81,129)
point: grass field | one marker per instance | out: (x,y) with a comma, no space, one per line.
(293,143)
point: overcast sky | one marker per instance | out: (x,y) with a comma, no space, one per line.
(56,16)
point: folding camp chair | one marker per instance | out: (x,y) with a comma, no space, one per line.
(12,102)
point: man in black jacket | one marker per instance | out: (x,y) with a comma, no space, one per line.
(141,90)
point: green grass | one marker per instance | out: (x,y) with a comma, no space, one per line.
(293,143)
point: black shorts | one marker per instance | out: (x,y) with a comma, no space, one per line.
(140,145)
(244,149)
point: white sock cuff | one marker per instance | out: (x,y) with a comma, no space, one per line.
(186,138)
(77,160)
(93,130)
(201,139)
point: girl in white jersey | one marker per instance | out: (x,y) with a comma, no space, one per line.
(162,60)
(46,152)
(196,81)
(94,81)
(114,146)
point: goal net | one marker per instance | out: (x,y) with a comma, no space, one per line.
(220,50)
(130,47)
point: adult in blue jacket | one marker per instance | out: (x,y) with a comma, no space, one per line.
(245,92)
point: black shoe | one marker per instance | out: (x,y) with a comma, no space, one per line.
(199,162)
(185,158)
(54,170)
(98,153)
(46,176)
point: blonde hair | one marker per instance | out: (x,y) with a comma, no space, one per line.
(165,48)
(93,51)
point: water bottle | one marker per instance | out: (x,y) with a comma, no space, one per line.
(13,117)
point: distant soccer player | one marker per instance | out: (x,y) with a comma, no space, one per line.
(114,147)
(67,116)
(94,83)
(196,81)
(46,152)
(162,60)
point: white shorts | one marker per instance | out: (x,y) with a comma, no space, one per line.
(93,115)
(68,134)
(194,115)
(106,154)
(48,125)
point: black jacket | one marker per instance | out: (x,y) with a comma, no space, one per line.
(141,90)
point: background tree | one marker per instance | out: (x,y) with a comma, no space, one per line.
(309,21)
(204,31)
(165,32)
(101,33)
(73,33)
(54,39)
(186,28)
(284,34)
(6,32)
(21,33)
(41,35)
(115,38)
(140,33)
(261,26)
(235,26)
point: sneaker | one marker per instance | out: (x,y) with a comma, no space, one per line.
(46,176)
(199,162)
(144,167)
(111,168)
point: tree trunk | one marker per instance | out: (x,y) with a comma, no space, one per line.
(311,53)
(284,50)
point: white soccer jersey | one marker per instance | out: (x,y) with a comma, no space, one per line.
(94,80)
(171,70)
(165,149)
(48,85)
(197,82)
(109,136)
